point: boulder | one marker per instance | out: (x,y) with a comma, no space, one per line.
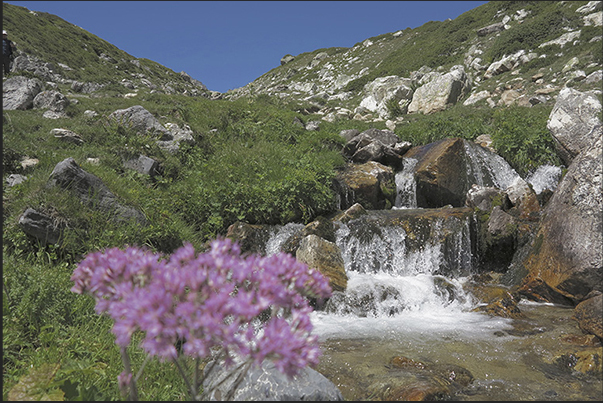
(143,165)
(178,135)
(321,227)
(286,59)
(141,120)
(371,184)
(15,179)
(19,92)
(572,122)
(251,238)
(447,169)
(485,198)
(353,212)
(440,173)
(497,239)
(441,91)
(382,146)
(566,254)
(41,226)
(52,100)
(491,29)
(589,314)
(32,64)
(324,256)
(524,200)
(267,383)
(90,189)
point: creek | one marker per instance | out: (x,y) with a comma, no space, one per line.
(405,327)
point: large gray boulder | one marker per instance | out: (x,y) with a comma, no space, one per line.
(19,92)
(382,146)
(572,121)
(566,255)
(51,100)
(440,91)
(267,383)
(32,64)
(90,189)
(141,120)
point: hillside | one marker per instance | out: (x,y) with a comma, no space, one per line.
(64,52)
(475,40)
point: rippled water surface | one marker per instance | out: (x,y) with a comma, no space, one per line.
(508,359)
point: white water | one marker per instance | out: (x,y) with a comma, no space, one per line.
(406,292)
(407,297)
(488,167)
(546,177)
(406,186)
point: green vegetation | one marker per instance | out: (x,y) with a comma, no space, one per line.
(518,134)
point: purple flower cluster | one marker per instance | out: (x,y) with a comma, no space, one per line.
(251,307)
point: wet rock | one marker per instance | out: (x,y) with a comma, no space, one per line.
(371,184)
(416,380)
(505,307)
(321,227)
(535,289)
(440,173)
(353,212)
(587,361)
(325,257)
(566,252)
(251,238)
(486,197)
(589,314)
(589,340)
(380,299)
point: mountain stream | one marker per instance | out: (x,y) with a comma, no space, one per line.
(406,329)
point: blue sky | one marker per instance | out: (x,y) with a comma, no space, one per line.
(228,44)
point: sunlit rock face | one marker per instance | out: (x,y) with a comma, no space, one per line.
(567,254)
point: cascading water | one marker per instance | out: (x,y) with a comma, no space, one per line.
(407,299)
(546,177)
(406,186)
(395,281)
(488,169)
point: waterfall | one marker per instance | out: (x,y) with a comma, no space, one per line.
(279,234)
(406,196)
(546,177)
(395,279)
(488,168)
